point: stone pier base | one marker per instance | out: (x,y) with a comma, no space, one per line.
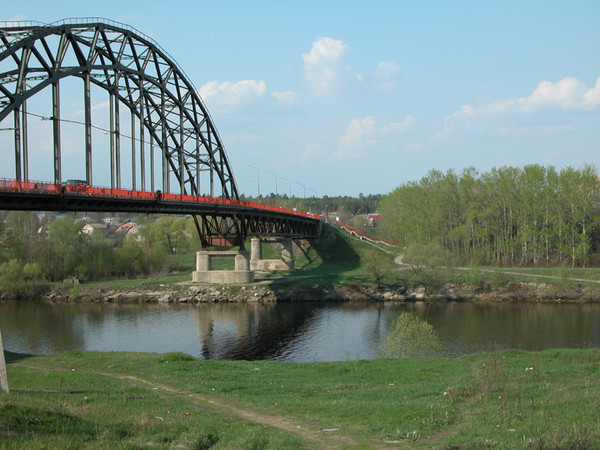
(285,263)
(240,275)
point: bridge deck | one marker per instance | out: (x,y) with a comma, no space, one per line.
(43,196)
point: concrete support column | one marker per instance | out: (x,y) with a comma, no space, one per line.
(255,249)
(287,253)
(242,261)
(203,261)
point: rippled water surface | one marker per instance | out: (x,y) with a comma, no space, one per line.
(289,331)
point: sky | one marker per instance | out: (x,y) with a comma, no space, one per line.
(348,97)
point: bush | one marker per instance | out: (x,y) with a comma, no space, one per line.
(21,281)
(378,264)
(410,336)
(431,266)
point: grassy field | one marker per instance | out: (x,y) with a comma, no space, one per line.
(510,399)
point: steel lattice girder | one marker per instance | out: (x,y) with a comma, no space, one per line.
(218,221)
(136,70)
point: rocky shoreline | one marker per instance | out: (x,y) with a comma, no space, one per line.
(194,293)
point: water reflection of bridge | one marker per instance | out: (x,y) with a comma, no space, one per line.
(250,331)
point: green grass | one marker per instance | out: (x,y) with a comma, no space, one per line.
(559,278)
(510,399)
(334,259)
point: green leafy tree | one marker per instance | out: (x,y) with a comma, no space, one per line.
(18,280)
(378,264)
(22,240)
(66,247)
(430,264)
(410,336)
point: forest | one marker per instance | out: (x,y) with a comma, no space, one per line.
(530,216)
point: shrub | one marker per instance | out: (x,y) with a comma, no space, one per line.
(431,266)
(378,264)
(21,281)
(410,336)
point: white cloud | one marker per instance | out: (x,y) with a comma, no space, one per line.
(568,94)
(387,75)
(327,67)
(329,71)
(290,98)
(229,97)
(362,134)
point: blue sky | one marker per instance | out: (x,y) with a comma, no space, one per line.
(349,97)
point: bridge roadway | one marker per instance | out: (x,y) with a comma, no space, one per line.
(253,218)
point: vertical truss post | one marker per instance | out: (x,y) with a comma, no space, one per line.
(198,191)
(88,130)
(24,142)
(17,145)
(164,147)
(181,160)
(152,162)
(133,149)
(142,143)
(111,108)
(56,130)
(210,162)
(117,135)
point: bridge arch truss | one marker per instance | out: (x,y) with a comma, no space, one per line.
(141,79)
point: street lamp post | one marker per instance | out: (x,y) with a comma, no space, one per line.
(290,183)
(257,178)
(304,196)
(276,193)
(304,189)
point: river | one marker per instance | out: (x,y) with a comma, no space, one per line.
(290,331)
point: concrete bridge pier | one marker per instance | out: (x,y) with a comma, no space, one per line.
(241,274)
(287,252)
(285,263)
(255,249)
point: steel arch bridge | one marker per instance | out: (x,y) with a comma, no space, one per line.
(166,113)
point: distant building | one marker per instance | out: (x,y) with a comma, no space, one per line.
(128,228)
(373,219)
(91,228)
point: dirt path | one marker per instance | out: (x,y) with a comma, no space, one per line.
(314,438)
(553,277)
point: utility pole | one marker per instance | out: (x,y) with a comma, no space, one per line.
(3,378)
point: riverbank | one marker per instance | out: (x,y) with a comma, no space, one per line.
(509,399)
(288,289)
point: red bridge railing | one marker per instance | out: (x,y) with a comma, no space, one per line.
(40,187)
(362,235)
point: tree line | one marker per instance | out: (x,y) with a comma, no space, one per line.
(36,249)
(533,215)
(343,205)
